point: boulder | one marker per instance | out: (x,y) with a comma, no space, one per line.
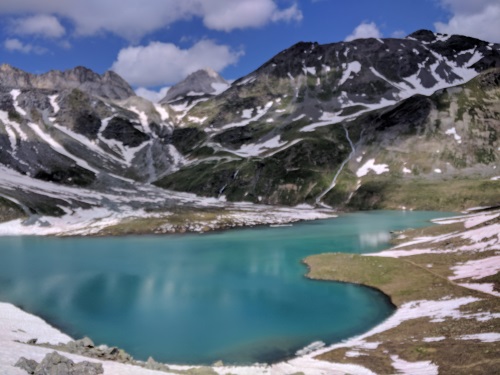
(56,364)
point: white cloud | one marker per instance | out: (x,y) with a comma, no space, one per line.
(290,14)
(365,30)
(398,34)
(42,25)
(152,95)
(165,63)
(15,45)
(132,19)
(473,18)
(239,14)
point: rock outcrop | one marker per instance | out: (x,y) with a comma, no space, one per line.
(56,364)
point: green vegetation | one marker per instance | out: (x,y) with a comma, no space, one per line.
(294,175)
(15,116)
(424,194)
(415,278)
(9,210)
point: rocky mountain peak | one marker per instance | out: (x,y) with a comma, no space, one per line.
(202,82)
(109,85)
(423,35)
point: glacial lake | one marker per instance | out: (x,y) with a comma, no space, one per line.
(239,296)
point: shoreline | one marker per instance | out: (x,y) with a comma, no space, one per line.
(436,316)
(87,223)
(375,351)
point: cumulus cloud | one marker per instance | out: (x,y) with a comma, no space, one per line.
(165,63)
(41,25)
(473,18)
(240,14)
(15,45)
(289,14)
(152,95)
(365,30)
(134,19)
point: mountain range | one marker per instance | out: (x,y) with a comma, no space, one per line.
(372,123)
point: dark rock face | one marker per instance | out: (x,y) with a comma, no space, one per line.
(109,85)
(56,364)
(122,130)
(185,139)
(369,71)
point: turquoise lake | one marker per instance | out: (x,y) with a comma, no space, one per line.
(239,296)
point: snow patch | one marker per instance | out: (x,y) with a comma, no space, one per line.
(352,67)
(479,219)
(414,368)
(371,166)
(53,103)
(482,287)
(255,149)
(162,111)
(219,87)
(15,93)
(434,339)
(453,132)
(310,70)
(247,113)
(483,337)
(261,111)
(477,269)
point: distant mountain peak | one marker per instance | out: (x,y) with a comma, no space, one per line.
(205,81)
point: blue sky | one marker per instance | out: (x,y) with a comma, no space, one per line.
(155,43)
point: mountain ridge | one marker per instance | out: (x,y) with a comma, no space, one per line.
(343,125)
(108,85)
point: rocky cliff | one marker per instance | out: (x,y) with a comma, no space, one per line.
(108,85)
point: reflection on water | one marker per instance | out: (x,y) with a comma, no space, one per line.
(239,296)
(373,240)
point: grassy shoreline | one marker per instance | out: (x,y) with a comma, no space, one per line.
(420,276)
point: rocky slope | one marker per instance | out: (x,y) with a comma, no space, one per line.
(316,123)
(364,124)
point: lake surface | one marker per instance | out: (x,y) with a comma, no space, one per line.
(239,296)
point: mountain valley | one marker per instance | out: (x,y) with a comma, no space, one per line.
(407,123)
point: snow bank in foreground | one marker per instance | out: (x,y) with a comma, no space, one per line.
(414,368)
(477,269)
(16,324)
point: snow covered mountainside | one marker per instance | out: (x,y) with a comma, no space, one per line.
(352,124)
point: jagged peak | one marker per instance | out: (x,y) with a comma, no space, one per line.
(200,82)
(212,73)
